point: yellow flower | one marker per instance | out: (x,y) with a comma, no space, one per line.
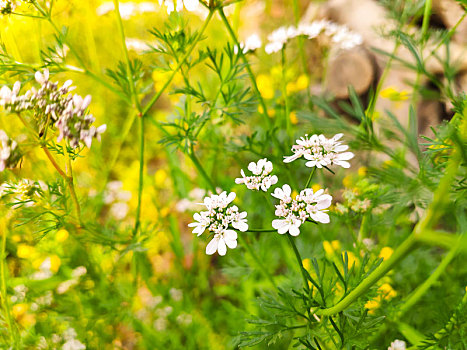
(160,177)
(331,247)
(19,310)
(347,181)
(386,291)
(55,263)
(25,251)
(302,82)
(362,171)
(293,118)
(294,194)
(265,86)
(352,259)
(306,264)
(61,235)
(290,88)
(386,253)
(315,187)
(392,94)
(372,305)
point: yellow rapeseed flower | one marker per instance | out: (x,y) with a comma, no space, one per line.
(160,177)
(386,253)
(265,86)
(347,181)
(315,187)
(306,264)
(293,118)
(362,171)
(19,310)
(294,193)
(372,305)
(302,82)
(386,291)
(25,251)
(55,263)
(61,235)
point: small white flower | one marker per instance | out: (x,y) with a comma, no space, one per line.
(261,178)
(397,345)
(339,35)
(73,344)
(251,43)
(190,5)
(320,151)
(295,211)
(218,219)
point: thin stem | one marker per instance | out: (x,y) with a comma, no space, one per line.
(247,64)
(261,230)
(121,31)
(3,277)
(68,179)
(141,175)
(432,215)
(89,73)
(201,170)
(284,91)
(423,288)
(137,105)
(299,261)
(308,182)
(426,19)
(179,65)
(262,268)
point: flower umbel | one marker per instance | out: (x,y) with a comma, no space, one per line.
(321,151)
(261,178)
(55,106)
(9,153)
(219,218)
(295,211)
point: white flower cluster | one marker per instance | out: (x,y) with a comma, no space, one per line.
(218,219)
(397,345)
(71,343)
(55,105)
(9,153)
(339,35)
(261,178)
(295,211)
(7,6)
(321,151)
(251,43)
(190,5)
(127,9)
(117,199)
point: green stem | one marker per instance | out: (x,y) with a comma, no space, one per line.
(121,31)
(261,230)
(299,261)
(141,175)
(426,19)
(247,64)
(284,91)
(379,272)
(89,73)
(68,179)
(432,215)
(423,288)
(308,182)
(4,296)
(262,268)
(201,170)
(179,65)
